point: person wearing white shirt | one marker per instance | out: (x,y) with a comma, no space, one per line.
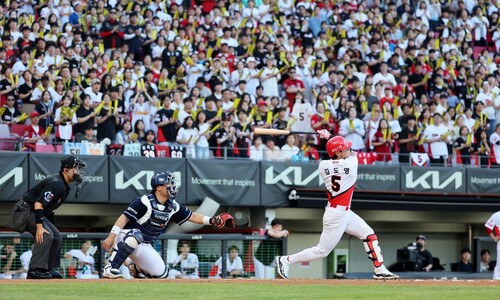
(289,149)
(252,13)
(188,264)
(353,130)
(272,151)
(234,264)
(257,149)
(488,99)
(387,79)
(240,73)
(269,79)
(480,24)
(25,259)
(93,92)
(22,65)
(85,260)
(435,136)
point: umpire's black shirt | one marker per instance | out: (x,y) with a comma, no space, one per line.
(50,192)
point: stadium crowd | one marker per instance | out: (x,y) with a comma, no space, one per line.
(393,77)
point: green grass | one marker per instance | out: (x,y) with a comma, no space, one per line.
(234,290)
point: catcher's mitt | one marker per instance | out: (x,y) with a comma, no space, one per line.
(221,220)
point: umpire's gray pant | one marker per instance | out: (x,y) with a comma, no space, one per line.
(45,255)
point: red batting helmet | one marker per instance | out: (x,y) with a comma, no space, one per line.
(337,144)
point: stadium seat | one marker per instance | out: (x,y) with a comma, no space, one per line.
(17,129)
(41,148)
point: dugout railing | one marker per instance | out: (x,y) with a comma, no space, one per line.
(208,247)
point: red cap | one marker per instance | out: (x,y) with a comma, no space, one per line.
(34,114)
(261,102)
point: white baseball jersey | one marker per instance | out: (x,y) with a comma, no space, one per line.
(493,223)
(339,176)
(302,112)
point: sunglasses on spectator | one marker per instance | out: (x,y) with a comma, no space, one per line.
(10,99)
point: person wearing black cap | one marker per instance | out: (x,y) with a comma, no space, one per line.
(424,256)
(43,199)
(134,36)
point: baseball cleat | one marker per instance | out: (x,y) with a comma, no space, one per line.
(382,273)
(282,266)
(111,273)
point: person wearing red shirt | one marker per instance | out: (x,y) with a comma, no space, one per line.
(34,132)
(318,122)
(387,97)
(383,141)
(292,86)
(403,89)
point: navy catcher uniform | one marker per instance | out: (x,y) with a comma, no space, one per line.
(141,224)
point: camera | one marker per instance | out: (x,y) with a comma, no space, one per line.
(409,257)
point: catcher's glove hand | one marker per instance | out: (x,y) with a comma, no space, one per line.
(221,220)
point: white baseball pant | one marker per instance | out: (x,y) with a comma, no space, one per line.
(336,221)
(145,257)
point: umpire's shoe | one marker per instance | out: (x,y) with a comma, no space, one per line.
(55,274)
(38,274)
(111,273)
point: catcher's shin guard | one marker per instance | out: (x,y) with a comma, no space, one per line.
(126,247)
(373,250)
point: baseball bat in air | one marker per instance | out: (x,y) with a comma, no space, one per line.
(270,131)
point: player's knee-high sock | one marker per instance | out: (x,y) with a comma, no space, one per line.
(373,250)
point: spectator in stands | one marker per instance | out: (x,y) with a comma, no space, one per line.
(188,135)
(202,147)
(185,265)
(481,148)
(84,260)
(463,147)
(243,134)
(45,108)
(269,249)
(495,147)
(382,141)
(234,264)
(464,265)
(64,119)
(165,122)
(353,130)
(408,139)
(437,136)
(11,113)
(34,133)
(139,135)
(106,120)
(486,265)
(225,137)
(89,136)
(257,149)
(85,116)
(272,152)
(289,150)
(124,135)
(140,109)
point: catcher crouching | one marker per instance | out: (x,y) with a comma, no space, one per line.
(141,224)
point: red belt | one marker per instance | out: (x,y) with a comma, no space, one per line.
(334,205)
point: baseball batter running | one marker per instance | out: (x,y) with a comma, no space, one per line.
(492,227)
(339,175)
(141,224)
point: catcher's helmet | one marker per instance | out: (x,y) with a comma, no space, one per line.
(164,178)
(337,144)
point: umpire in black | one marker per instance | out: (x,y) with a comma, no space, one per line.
(44,198)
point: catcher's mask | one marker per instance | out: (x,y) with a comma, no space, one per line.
(168,180)
(72,161)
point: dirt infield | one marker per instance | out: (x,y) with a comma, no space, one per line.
(405,282)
